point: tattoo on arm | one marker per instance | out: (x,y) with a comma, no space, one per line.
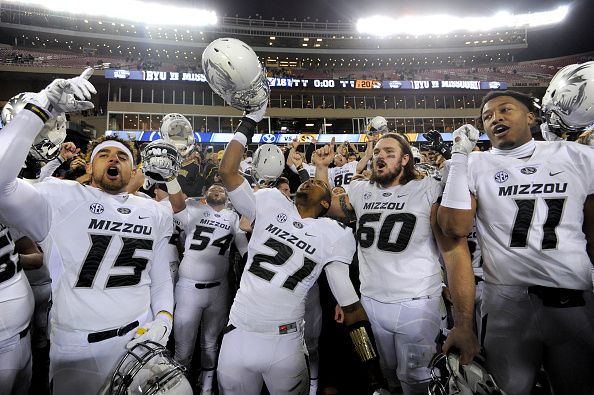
(349,213)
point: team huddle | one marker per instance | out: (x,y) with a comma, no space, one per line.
(522,301)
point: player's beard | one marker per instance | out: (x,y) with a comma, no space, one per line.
(107,185)
(211,201)
(387,178)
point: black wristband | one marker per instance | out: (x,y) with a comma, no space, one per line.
(39,111)
(247,127)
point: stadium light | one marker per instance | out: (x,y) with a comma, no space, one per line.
(132,10)
(382,26)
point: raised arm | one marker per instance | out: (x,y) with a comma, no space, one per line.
(16,138)
(240,192)
(458,207)
(368,155)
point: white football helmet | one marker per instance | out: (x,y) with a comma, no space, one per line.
(147,369)
(378,125)
(160,161)
(46,145)
(234,72)
(449,377)
(568,103)
(177,130)
(268,163)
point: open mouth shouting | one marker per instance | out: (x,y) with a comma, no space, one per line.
(500,130)
(380,164)
(113,173)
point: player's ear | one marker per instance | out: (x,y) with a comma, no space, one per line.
(325,204)
(89,168)
(405,159)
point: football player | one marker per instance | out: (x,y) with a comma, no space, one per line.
(16,309)
(534,209)
(202,291)
(399,262)
(103,246)
(289,248)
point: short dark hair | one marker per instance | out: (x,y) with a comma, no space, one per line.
(523,98)
(281,180)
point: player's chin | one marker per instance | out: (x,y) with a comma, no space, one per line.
(113,185)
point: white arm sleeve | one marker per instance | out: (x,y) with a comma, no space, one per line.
(49,169)
(294,169)
(244,201)
(241,242)
(340,283)
(21,205)
(160,273)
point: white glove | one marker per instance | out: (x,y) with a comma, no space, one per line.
(258,115)
(547,134)
(465,138)
(381,391)
(67,95)
(157,331)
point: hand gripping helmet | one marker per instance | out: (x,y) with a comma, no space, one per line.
(449,376)
(147,369)
(378,125)
(177,130)
(268,163)
(234,72)
(568,103)
(160,161)
(46,145)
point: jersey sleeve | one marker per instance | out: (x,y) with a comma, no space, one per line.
(160,273)
(355,191)
(435,189)
(183,217)
(244,201)
(586,165)
(343,245)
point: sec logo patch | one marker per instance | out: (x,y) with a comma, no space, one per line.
(501,176)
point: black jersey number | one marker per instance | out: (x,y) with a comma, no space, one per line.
(366,234)
(523,222)
(283,254)
(8,268)
(223,243)
(96,254)
(343,179)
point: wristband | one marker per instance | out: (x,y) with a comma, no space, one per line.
(240,138)
(247,127)
(173,186)
(167,314)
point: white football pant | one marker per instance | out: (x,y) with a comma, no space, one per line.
(405,334)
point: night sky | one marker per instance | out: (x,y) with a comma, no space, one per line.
(574,35)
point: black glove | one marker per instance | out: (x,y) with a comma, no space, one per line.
(437,144)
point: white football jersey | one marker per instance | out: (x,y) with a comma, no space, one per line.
(209,234)
(311,169)
(341,176)
(398,256)
(16,297)
(99,251)
(530,215)
(286,255)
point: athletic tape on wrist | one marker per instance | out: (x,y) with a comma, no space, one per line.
(173,186)
(240,138)
(456,194)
